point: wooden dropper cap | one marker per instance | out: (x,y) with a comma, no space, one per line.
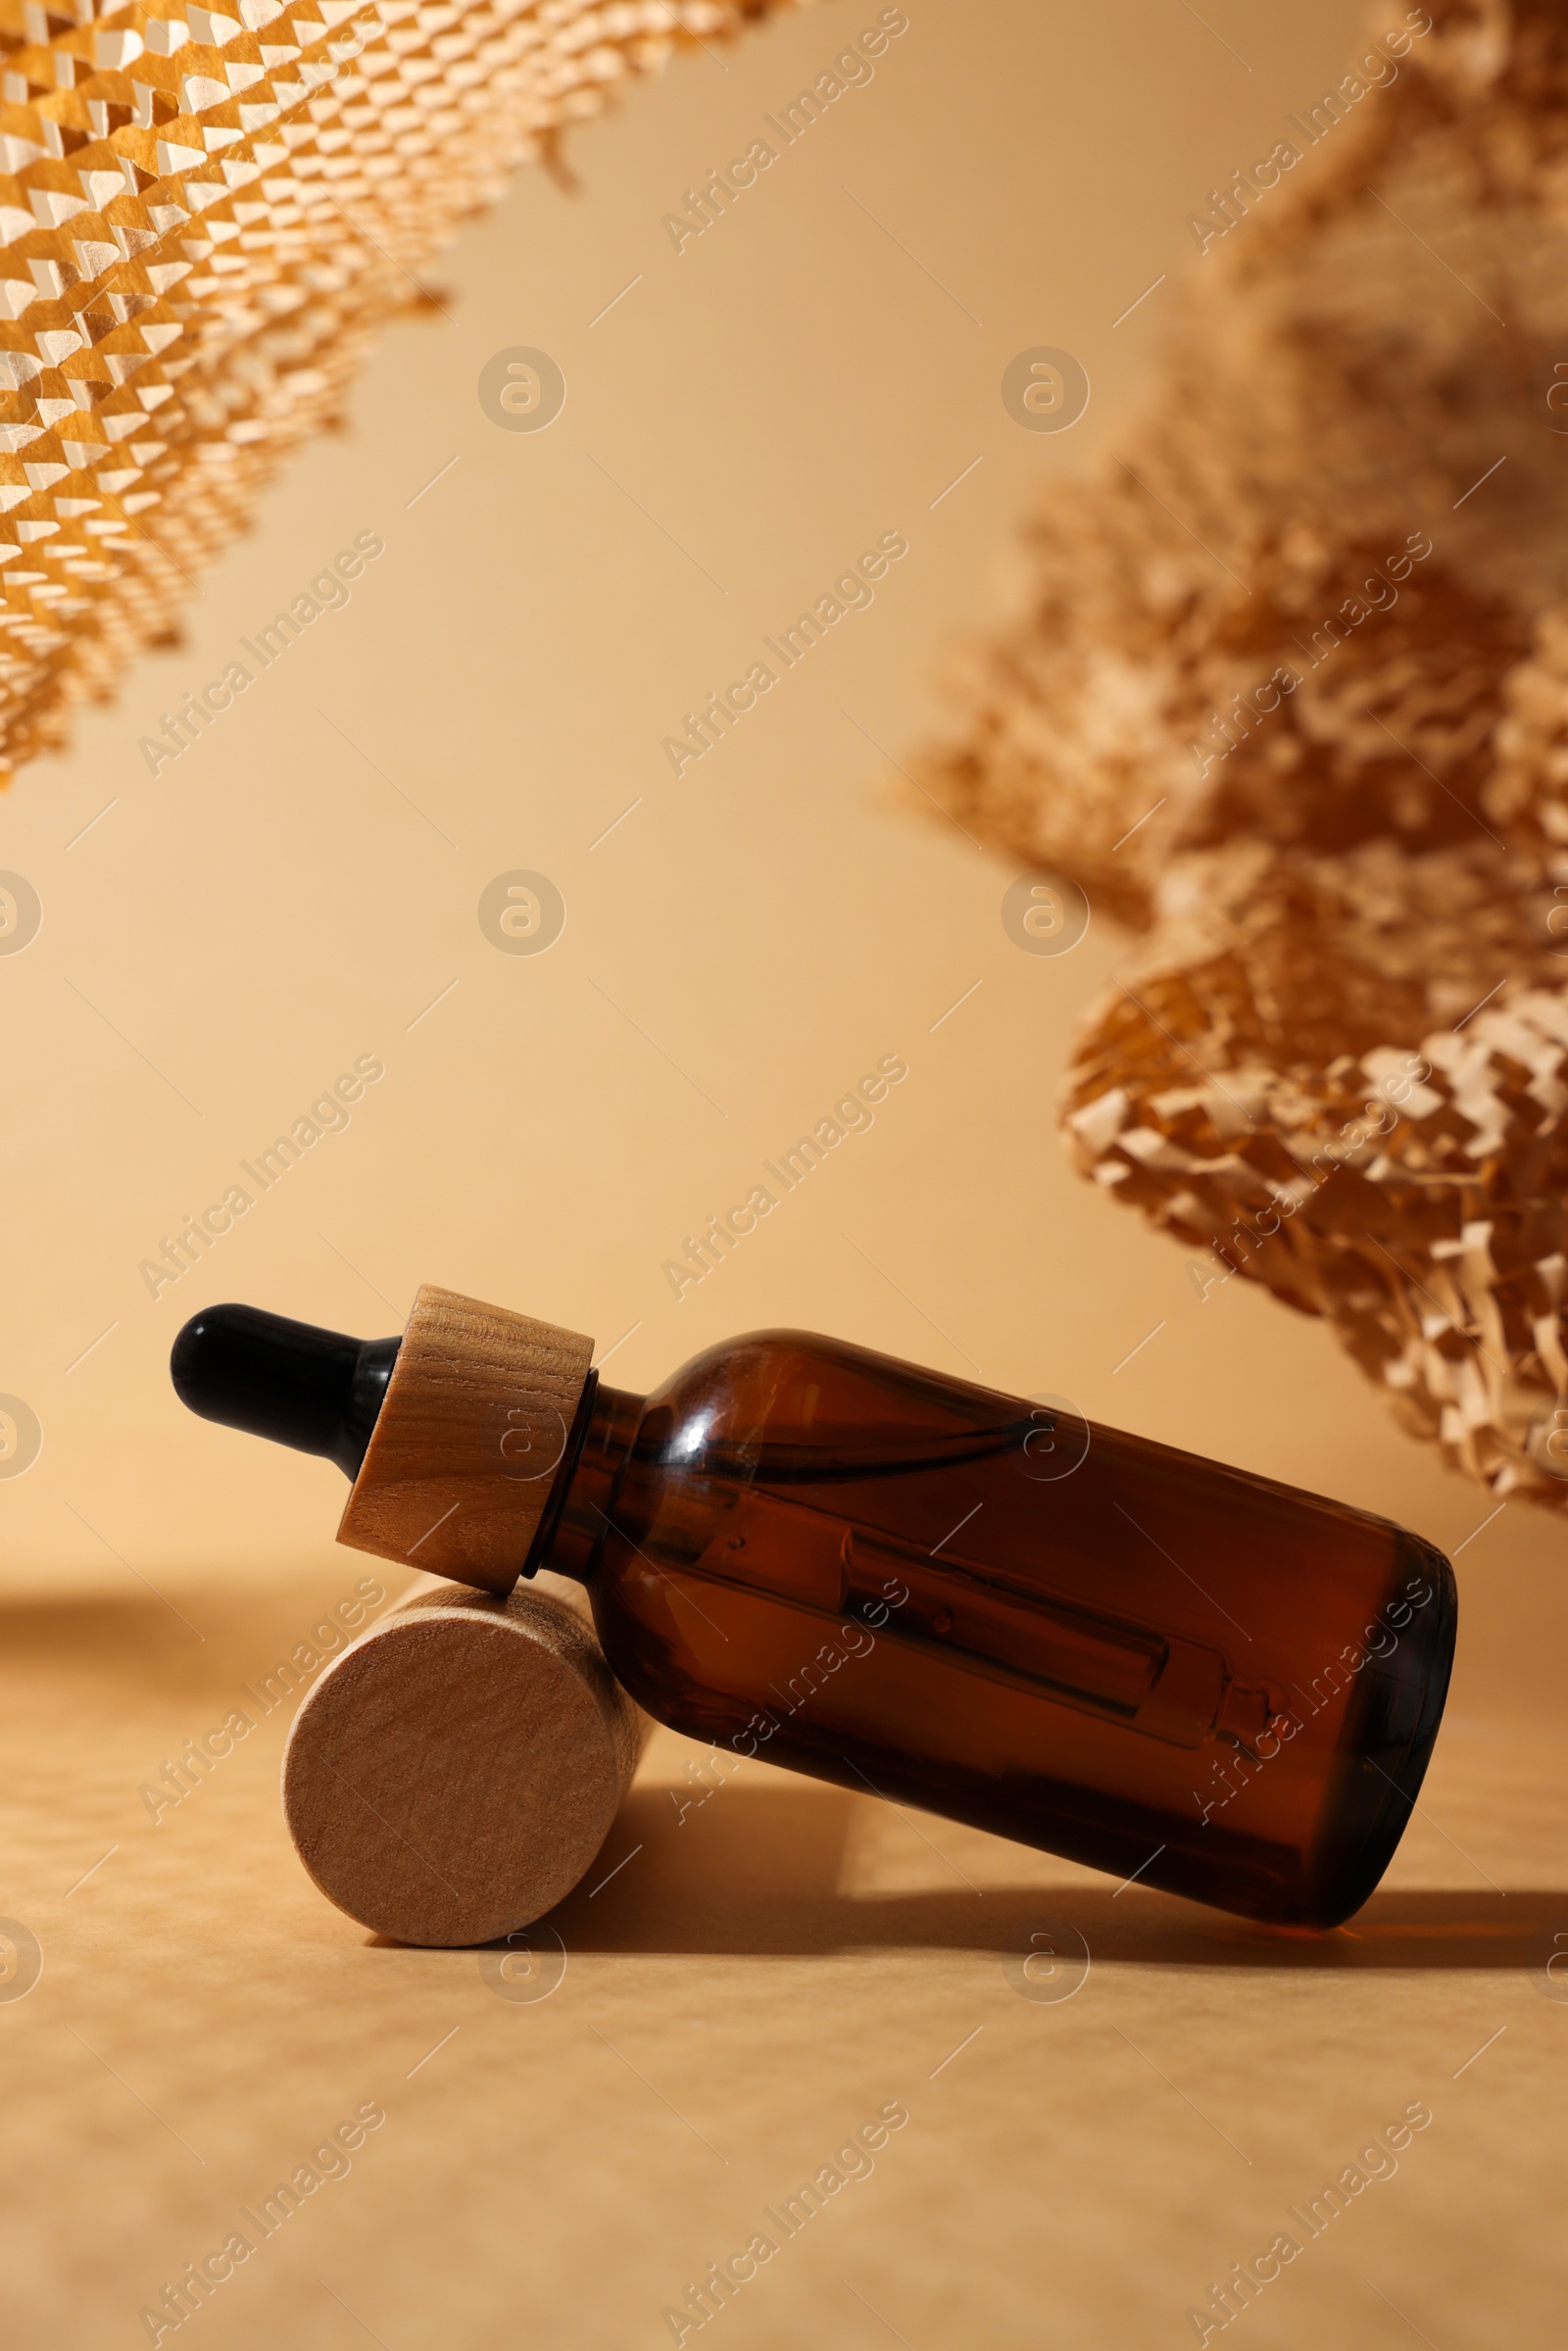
(478,1414)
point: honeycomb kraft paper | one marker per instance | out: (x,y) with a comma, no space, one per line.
(1291,691)
(204,216)
(1289,696)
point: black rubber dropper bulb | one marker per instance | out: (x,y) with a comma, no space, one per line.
(314,1389)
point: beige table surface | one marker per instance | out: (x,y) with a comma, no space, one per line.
(761,1978)
(766,1974)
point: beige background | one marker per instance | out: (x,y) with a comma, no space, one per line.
(297,890)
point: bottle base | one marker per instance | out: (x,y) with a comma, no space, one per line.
(1389,1743)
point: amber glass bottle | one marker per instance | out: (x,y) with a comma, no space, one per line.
(991,1609)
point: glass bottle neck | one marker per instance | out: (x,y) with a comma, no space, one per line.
(574,1526)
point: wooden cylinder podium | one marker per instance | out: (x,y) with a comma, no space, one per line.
(455,1771)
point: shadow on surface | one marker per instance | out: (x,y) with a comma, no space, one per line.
(759,1871)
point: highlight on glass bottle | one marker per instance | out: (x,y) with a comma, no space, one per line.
(982,1606)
